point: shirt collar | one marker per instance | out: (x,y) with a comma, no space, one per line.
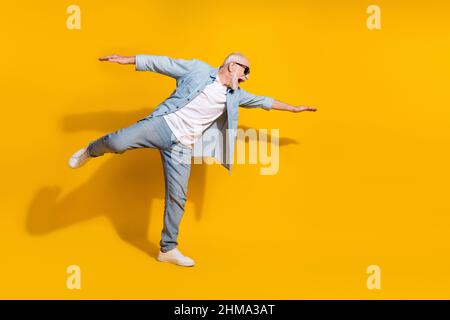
(213,74)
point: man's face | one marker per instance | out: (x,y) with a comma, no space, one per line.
(238,76)
(242,76)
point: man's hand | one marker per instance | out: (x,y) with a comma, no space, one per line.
(278,105)
(118,59)
(303,108)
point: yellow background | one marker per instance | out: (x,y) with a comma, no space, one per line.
(362,181)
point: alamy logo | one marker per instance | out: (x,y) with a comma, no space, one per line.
(73,281)
(374,19)
(258,149)
(374,278)
(74,19)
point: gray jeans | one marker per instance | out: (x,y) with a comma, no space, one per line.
(176,159)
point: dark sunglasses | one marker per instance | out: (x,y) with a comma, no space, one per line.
(246,68)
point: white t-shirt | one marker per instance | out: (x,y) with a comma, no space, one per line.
(188,123)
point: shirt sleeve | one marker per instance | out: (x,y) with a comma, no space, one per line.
(171,67)
(250,100)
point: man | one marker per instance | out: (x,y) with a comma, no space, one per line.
(204,103)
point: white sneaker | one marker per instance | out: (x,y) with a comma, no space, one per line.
(176,257)
(79,158)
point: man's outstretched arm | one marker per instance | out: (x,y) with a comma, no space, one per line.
(250,100)
(278,105)
(168,66)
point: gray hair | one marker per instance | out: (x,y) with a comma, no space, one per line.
(233,57)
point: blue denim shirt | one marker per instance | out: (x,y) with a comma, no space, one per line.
(192,76)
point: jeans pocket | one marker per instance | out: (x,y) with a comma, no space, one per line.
(173,139)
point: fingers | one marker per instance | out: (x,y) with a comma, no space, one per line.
(104,58)
(108,57)
(305,108)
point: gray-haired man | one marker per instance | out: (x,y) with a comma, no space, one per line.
(204,103)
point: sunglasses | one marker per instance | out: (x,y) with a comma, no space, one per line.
(246,68)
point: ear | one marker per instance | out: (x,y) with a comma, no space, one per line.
(231,66)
